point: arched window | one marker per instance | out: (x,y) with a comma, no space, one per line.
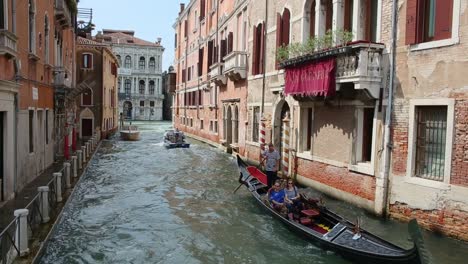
(87,98)
(142,87)
(151,87)
(128,86)
(32,26)
(46,39)
(283,28)
(119,60)
(142,63)
(152,64)
(128,62)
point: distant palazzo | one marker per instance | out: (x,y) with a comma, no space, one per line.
(139,76)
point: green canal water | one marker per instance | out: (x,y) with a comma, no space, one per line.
(141,203)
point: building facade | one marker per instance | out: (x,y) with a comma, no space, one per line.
(98,108)
(139,75)
(36,57)
(211,68)
(429,172)
(168,84)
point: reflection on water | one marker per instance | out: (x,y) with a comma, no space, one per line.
(141,203)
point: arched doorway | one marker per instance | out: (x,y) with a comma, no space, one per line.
(282,110)
(127,110)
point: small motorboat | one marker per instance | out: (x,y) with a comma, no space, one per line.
(175,139)
(130,133)
(332,232)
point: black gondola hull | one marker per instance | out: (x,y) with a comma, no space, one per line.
(358,256)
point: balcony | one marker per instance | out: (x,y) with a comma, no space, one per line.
(8,45)
(63,14)
(235,66)
(216,74)
(125,96)
(62,78)
(359,63)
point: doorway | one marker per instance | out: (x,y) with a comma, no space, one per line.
(86,127)
(281,112)
(127,110)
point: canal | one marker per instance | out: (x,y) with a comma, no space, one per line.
(141,203)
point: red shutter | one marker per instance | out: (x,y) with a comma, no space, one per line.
(210,54)
(202,9)
(279,26)
(347,15)
(230,42)
(262,45)
(223,49)
(443,19)
(312,20)
(411,22)
(285,28)
(254,51)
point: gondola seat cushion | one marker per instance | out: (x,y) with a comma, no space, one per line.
(306,221)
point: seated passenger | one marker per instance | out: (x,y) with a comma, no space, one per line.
(292,197)
(276,197)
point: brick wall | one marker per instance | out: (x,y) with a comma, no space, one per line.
(400,137)
(339,178)
(451,222)
(460,148)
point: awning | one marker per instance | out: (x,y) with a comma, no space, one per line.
(313,79)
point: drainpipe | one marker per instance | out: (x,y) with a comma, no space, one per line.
(382,183)
(262,110)
(218,51)
(15,176)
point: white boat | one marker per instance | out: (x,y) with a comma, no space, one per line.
(130,133)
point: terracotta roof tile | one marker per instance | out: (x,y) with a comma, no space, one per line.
(123,38)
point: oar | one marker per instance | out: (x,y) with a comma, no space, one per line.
(237,188)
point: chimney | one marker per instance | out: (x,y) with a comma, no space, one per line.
(158,40)
(182,7)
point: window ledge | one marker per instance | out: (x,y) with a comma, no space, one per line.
(427,183)
(256,144)
(308,156)
(255,77)
(434,44)
(364,168)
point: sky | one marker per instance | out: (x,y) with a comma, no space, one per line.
(149,19)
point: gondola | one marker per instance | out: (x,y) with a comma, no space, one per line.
(332,232)
(175,139)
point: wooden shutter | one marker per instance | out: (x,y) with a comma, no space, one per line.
(312,20)
(285,28)
(230,42)
(185,28)
(411,22)
(329,15)
(202,9)
(443,19)
(262,50)
(279,34)
(223,49)
(254,52)
(347,15)
(210,53)
(201,53)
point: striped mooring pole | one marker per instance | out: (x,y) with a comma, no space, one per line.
(262,133)
(285,154)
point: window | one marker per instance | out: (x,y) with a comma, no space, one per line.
(202,10)
(371,20)
(152,64)
(3,14)
(309,25)
(128,86)
(348,15)
(151,87)
(151,103)
(431,137)
(365,135)
(31,131)
(32,26)
(258,51)
(256,124)
(282,30)
(189,74)
(307,122)
(328,15)
(87,61)
(141,87)
(200,61)
(87,98)
(201,124)
(430,140)
(142,103)
(119,60)
(429,20)
(128,62)
(142,63)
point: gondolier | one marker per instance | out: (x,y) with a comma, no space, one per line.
(271,159)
